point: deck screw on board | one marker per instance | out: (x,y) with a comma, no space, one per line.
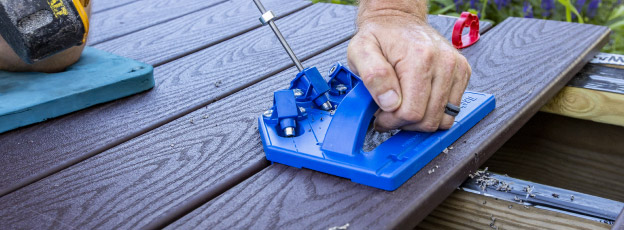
(268,113)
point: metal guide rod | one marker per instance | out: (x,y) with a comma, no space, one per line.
(279,36)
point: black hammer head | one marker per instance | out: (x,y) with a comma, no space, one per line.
(36,29)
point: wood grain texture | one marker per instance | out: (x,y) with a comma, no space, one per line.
(196,31)
(103,5)
(464,210)
(569,153)
(140,15)
(136,182)
(588,104)
(182,86)
(509,61)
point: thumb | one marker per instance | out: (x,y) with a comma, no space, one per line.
(379,77)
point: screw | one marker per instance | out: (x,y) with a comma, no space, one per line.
(289,131)
(333,68)
(302,110)
(298,92)
(326,106)
(341,88)
(268,113)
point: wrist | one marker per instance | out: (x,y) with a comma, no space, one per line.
(384,10)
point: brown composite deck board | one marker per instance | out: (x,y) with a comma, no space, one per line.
(133,183)
(33,152)
(619,223)
(196,31)
(123,20)
(103,5)
(523,62)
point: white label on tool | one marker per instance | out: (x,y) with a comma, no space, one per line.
(605,58)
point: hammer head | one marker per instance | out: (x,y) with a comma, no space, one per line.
(36,29)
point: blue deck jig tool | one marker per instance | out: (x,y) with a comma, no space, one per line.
(321,125)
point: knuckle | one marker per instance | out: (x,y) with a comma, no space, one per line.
(412,116)
(429,126)
(446,125)
(372,74)
(427,55)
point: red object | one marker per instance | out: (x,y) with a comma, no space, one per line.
(465,20)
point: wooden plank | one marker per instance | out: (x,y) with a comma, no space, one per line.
(508,62)
(61,142)
(139,181)
(139,15)
(465,210)
(569,153)
(596,94)
(588,104)
(170,40)
(99,5)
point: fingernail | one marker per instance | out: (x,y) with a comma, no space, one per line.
(388,99)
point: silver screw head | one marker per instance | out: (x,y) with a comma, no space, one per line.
(268,113)
(298,92)
(289,131)
(341,88)
(331,71)
(302,110)
(326,106)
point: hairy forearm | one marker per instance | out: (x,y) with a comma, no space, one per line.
(369,9)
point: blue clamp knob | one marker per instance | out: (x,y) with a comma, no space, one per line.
(285,112)
(309,86)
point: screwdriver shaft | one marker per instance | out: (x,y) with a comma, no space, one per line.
(280,37)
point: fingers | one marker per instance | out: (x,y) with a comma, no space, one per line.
(416,75)
(461,78)
(366,59)
(446,67)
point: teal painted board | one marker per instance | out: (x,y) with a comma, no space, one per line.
(27,98)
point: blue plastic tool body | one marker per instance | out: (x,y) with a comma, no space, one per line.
(311,83)
(286,108)
(331,141)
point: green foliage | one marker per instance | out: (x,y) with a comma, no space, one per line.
(598,12)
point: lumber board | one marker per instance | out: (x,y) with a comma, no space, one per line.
(102,5)
(184,85)
(189,160)
(195,31)
(508,62)
(138,15)
(137,182)
(596,93)
(465,210)
(564,152)
(588,104)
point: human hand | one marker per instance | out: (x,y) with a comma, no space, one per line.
(411,71)
(9,61)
